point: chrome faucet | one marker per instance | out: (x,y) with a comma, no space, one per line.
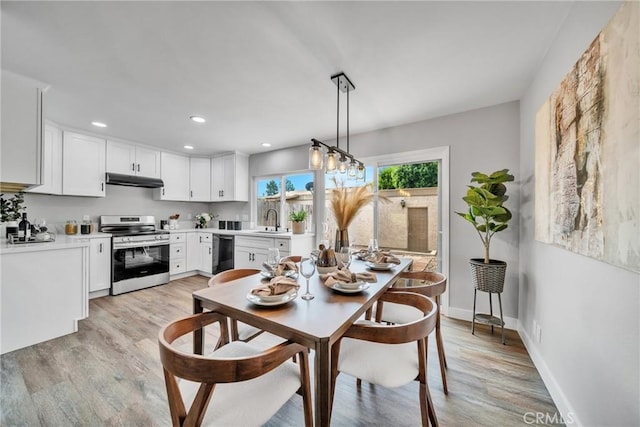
(266,217)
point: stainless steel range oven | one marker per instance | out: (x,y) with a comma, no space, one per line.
(140,257)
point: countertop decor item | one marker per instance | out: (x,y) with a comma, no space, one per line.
(203,219)
(297,221)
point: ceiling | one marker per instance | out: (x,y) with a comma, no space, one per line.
(259,72)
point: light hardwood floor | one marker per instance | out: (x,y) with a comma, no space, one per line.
(109,373)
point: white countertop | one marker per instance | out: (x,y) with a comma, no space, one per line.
(62,242)
(254,232)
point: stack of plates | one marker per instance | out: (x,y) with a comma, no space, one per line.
(379,265)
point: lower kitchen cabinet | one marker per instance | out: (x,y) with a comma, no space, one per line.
(99,264)
(193,251)
(177,253)
(206,252)
(251,251)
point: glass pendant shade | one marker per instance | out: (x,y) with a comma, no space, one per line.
(331,162)
(316,157)
(353,169)
(360,173)
(342,165)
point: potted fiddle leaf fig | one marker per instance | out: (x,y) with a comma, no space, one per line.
(297,221)
(489,216)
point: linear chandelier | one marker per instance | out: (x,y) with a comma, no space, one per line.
(337,159)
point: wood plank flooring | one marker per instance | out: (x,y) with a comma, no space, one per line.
(109,374)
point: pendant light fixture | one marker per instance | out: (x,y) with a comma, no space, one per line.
(338,160)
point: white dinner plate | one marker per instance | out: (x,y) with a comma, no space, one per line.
(350,288)
(382,266)
(287,273)
(272,300)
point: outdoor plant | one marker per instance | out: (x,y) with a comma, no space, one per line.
(486,211)
(11,208)
(298,216)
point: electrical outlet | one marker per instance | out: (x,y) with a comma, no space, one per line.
(189,216)
(245,217)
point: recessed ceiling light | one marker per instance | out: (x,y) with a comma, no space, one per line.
(266,144)
(189,147)
(197,119)
(99,124)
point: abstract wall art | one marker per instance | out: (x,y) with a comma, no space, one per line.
(587,190)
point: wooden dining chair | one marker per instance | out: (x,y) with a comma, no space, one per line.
(426,283)
(364,351)
(239,331)
(234,385)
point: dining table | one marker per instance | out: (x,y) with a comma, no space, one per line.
(317,323)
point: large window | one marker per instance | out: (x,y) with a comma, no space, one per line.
(298,195)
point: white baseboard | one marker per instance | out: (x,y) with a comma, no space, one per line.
(569,415)
(462,314)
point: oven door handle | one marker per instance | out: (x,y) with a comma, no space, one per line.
(139,244)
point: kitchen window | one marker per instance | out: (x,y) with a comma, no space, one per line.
(297,195)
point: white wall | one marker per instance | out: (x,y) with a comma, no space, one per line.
(588,310)
(480,140)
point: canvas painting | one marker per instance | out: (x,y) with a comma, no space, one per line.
(588,150)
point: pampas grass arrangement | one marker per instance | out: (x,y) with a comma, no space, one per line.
(346,202)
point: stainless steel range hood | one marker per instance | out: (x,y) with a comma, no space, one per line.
(133,180)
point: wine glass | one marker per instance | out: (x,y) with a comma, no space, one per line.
(373,246)
(273,258)
(345,256)
(307,269)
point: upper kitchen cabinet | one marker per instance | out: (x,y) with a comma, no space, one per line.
(200,179)
(83,165)
(21,135)
(129,159)
(175,175)
(51,162)
(230,178)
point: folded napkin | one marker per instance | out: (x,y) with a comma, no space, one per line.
(362,254)
(280,269)
(383,257)
(346,276)
(277,286)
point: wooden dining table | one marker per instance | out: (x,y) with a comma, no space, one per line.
(316,323)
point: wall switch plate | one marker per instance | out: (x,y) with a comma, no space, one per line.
(245,217)
(189,216)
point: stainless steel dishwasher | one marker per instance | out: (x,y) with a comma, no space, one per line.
(222,252)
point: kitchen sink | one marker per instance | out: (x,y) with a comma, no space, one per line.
(270,232)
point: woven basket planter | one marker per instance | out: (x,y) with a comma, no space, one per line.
(488,277)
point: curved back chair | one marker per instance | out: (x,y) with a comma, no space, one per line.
(241,376)
(390,365)
(239,331)
(430,284)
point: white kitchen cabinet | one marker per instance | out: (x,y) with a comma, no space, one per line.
(174,170)
(130,159)
(230,178)
(99,264)
(200,179)
(193,251)
(83,165)
(21,133)
(206,252)
(251,252)
(177,253)
(51,162)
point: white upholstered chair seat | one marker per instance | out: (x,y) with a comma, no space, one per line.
(246,331)
(390,365)
(399,313)
(246,403)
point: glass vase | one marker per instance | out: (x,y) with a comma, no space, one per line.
(342,240)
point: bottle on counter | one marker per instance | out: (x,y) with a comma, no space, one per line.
(71,227)
(24,229)
(86,227)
